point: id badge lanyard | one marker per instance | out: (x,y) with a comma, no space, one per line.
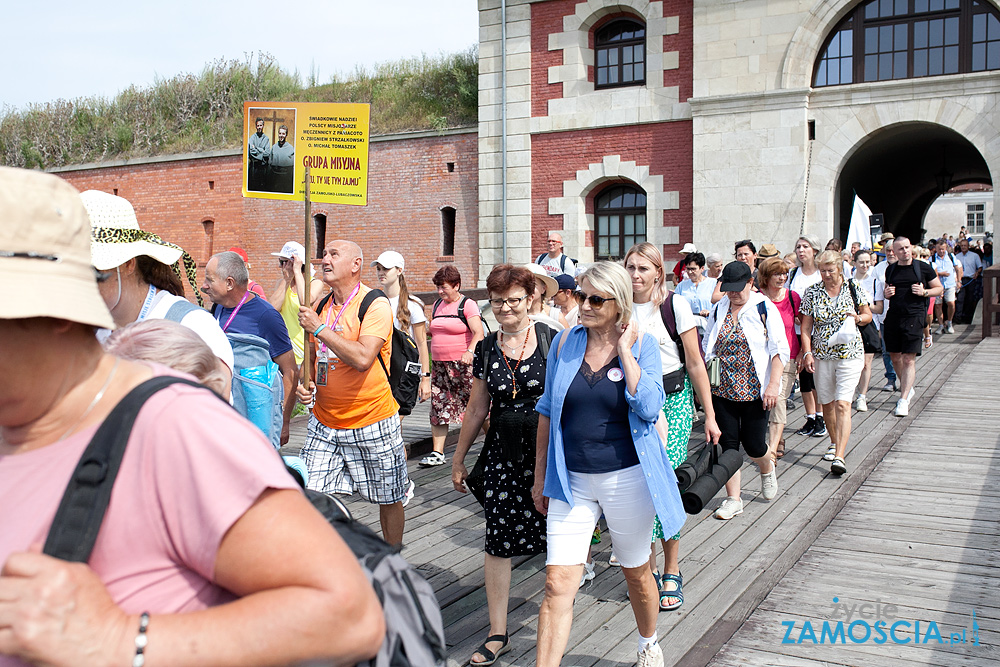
(333,327)
(233,314)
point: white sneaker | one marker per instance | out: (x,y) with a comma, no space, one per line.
(949,328)
(433,459)
(408,496)
(729,508)
(768,485)
(861,405)
(910,394)
(588,573)
(902,407)
(939,330)
(651,656)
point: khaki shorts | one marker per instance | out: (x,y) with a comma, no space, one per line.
(779,413)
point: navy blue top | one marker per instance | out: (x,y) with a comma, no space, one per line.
(259,318)
(595,422)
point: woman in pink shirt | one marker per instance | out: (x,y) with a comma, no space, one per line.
(772,274)
(456,327)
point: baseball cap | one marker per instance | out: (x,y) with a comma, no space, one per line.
(390,259)
(46,269)
(241,252)
(565,281)
(734,277)
(291,249)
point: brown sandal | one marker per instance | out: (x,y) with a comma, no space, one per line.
(780,449)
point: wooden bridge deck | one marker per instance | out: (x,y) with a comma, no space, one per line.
(730,567)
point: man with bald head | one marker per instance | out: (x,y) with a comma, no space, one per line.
(354,440)
(554,261)
(240,311)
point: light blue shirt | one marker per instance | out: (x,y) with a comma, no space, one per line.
(700,295)
(644,409)
(946,263)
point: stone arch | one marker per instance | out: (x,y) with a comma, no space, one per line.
(578,223)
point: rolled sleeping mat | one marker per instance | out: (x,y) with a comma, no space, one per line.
(706,486)
(697,464)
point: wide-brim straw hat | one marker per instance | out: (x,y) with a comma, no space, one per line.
(45,264)
(116,238)
(551,286)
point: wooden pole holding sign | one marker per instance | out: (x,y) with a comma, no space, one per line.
(307,282)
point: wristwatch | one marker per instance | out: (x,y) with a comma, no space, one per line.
(426,375)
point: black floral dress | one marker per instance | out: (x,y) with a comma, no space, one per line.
(513,526)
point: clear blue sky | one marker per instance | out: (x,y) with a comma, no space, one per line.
(62,49)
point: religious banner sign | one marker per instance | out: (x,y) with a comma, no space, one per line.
(283,138)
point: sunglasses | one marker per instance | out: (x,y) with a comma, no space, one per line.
(595,301)
(282,261)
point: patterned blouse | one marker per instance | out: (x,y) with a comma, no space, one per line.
(738,379)
(828,315)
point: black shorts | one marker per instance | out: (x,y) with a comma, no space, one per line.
(806,382)
(904,335)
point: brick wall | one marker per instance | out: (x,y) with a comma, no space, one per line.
(665,147)
(683,43)
(546,18)
(409,183)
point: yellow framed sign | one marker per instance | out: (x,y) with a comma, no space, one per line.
(283,138)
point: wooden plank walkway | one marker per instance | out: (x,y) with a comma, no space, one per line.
(921,533)
(729,567)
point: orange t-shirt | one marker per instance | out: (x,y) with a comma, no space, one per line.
(351,398)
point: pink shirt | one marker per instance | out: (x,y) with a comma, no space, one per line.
(788,312)
(192,468)
(450,338)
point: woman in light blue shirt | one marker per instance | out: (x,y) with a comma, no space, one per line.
(598,452)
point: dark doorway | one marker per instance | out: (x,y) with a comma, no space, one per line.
(319,222)
(900,170)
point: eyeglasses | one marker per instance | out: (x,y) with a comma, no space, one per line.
(512,302)
(595,301)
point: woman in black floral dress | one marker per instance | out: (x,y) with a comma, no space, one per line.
(509,375)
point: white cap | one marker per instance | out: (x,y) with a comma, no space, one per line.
(389,259)
(292,249)
(688,249)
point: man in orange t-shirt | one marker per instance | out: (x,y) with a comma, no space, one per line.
(354,440)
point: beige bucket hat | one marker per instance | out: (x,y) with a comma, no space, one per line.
(45,264)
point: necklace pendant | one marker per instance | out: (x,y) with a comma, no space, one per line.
(514,395)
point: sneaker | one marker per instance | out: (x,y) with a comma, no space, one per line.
(433,459)
(789,403)
(902,407)
(831,452)
(651,656)
(729,508)
(890,386)
(939,330)
(768,485)
(808,427)
(949,328)
(408,496)
(838,467)
(820,429)
(910,394)
(588,573)
(861,405)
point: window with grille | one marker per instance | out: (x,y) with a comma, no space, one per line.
(620,212)
(975,218)
(881,40)
(620,49)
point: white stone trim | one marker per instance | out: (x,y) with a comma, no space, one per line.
(572,206)
(583,107)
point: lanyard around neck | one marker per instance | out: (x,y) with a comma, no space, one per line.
(147,304)
(235,310)
(343,308)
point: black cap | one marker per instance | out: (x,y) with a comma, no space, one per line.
(734,277)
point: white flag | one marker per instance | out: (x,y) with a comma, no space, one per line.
(860,229)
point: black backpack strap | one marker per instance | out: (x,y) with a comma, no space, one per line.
(488,344)
(854,295)
(322,302)
(670,322)
(78,520)
(544,334)
(366,303)
(461,312)
(562,263)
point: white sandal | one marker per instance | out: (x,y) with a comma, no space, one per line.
(831,453)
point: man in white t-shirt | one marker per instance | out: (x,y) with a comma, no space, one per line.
(554,261)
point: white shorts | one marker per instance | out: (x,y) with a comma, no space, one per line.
(623,497)
(836,379)
(949,294)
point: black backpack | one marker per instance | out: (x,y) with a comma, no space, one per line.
(404,363)
(460,315)
(542,331)
(414,627)
(670,322)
